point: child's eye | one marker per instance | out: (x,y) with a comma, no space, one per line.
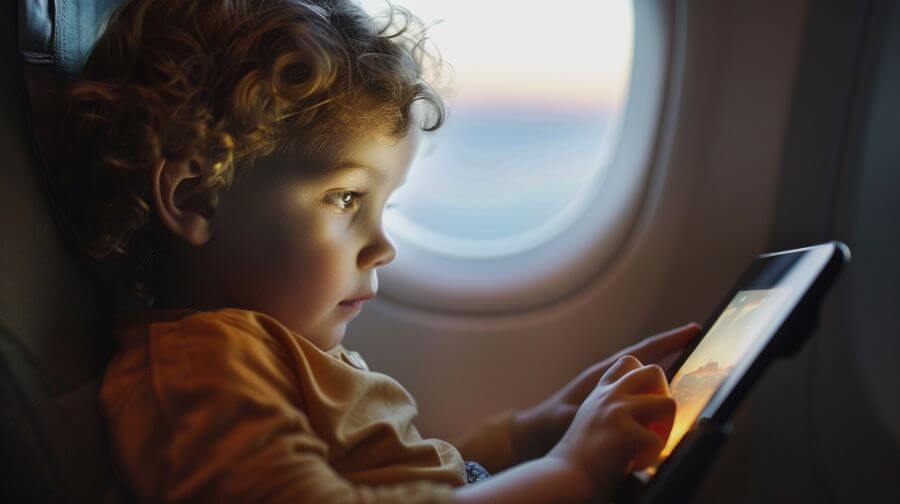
(345,201)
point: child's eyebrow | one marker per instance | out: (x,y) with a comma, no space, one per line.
(348,166)
(352,165)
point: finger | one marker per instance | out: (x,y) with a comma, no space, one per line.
(647,409)
(657,414)
(645,351)
(668,361)
(652,349)
(646,446)
(648,379)
(585,382)
(656,347)
(622,366)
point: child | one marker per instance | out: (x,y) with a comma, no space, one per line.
(230,161)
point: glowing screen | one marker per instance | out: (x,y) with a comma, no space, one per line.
(769,291)
(729,340)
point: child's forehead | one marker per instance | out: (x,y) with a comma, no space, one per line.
(376,158)
(353,166)
(363,161)
(333,168)
(366,148)
(379,154)
(376,147)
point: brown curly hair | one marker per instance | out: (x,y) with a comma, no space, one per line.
(222,82)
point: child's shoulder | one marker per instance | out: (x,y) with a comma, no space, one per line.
(173,337)
(228,330)
(226,322)
(223,323)
(236,325)
(221,364)
(227,344)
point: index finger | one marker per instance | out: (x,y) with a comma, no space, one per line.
(656,347)
(648,351)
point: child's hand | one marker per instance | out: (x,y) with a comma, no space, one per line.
(621,426)
(538,428)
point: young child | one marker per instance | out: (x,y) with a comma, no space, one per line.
(229,161)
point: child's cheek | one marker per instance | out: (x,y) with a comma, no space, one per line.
(315,258)
(296,256)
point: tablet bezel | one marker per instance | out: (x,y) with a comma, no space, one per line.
(723,402)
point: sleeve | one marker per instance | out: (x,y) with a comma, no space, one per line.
(489,442)
(238,430)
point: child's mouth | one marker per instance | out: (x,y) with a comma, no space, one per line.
(357,302)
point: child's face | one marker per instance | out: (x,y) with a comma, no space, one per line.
(295,245)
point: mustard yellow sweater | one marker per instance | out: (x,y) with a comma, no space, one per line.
(232,406)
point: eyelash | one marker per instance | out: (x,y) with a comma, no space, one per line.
(336,198)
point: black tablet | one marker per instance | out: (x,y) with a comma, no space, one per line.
(769,312)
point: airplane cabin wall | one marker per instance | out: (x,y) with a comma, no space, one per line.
(708,212)
(774,136)
(825,425)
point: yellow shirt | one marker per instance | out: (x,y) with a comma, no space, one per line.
(231,405)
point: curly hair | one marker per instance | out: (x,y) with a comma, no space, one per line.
(221,83)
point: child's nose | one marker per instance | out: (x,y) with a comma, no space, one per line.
(378,253)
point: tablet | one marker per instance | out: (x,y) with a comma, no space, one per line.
(768,313)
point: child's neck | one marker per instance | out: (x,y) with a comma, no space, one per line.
(181,286)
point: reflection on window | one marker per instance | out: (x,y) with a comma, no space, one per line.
(537,91)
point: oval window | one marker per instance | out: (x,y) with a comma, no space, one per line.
(535,108)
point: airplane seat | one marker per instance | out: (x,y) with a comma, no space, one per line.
(54,337)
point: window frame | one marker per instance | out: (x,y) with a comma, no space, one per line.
(426,279)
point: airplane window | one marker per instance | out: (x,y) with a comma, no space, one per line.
(534,113)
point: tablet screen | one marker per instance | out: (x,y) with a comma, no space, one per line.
(727,342)
(772,287)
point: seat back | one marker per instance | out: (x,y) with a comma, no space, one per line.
(54,337)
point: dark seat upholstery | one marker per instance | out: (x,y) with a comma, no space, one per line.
(53,333)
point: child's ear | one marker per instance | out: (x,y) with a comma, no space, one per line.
(184,205)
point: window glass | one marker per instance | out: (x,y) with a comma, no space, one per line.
(536,94)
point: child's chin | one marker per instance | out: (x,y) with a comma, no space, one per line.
(334,338)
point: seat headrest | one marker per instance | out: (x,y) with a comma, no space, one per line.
(61,32)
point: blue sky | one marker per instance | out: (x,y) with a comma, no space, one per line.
(531,92)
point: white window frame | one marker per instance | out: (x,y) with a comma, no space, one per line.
(427,279)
